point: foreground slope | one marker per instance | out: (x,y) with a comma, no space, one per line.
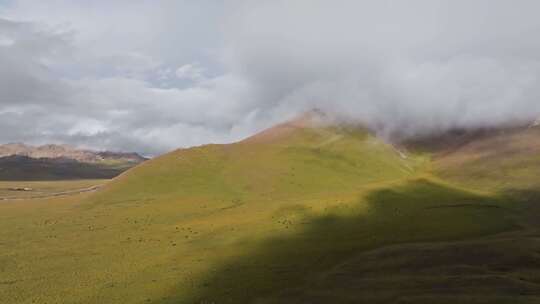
(305,212)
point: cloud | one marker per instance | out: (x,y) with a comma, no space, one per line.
(183,73)
(402,67)
(193,72)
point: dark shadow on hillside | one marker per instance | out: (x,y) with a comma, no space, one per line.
(423,231)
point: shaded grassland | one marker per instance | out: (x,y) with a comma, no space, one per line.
(329,259)
(317,216)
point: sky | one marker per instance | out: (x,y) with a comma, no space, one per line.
(152,76)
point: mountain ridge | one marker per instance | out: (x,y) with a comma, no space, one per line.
(55,151)
(56,162)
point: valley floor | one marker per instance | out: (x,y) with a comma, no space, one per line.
(23,190)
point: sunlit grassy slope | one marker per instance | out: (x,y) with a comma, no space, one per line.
(302,163)
(301,213)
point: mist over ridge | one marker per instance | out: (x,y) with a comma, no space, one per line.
(165,79)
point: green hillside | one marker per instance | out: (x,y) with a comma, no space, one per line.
(303,163)
(301,213)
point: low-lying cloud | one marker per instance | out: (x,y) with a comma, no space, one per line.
(184,74)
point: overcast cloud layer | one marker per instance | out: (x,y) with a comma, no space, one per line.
(150,76)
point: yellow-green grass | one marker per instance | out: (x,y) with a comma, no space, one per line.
(273,221)
(8,189)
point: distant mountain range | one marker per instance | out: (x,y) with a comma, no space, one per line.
(50,162)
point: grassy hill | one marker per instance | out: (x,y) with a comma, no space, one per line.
(304,212)
(505,160)
(301,162)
